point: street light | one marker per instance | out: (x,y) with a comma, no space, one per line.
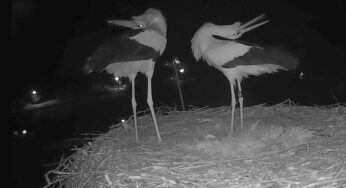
(175,62)
(301,75)
(181,70)
(35,96)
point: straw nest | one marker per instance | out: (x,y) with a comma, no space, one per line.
(282,146)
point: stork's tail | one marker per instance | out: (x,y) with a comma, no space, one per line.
(283,57)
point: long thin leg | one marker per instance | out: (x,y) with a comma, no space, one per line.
(150,103)
(241,105)
(233,106)
(134,104)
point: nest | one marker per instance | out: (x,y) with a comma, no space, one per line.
(281,146)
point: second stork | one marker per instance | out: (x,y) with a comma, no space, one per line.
(237,59)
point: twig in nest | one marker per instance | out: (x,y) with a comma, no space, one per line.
(342,170)
(109,154)
(324,182)
(197,166)
(108,180)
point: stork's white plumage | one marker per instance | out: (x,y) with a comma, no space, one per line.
(237,59)
(134,51)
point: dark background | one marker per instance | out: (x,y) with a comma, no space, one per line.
(51,40)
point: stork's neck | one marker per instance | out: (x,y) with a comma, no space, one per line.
(218,30)
(159,25)
(202,39)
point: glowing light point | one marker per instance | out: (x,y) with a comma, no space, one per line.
(34,92)
(122,120)
(182,70)
(301,75)
(176,60)
(116,78)
(24,132)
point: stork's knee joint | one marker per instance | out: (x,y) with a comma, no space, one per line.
(134,103)
(150,101)
(240,94)
(233,102)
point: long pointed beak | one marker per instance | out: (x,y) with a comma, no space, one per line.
(124,23)
(247,26)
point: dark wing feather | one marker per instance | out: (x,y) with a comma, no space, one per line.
(271,55)
(120,49)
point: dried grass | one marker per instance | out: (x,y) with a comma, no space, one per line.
(282,146)
(251,143)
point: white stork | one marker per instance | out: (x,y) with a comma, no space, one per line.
(238,59)
(134,51)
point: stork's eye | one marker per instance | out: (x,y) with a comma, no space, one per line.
(140,25)
(236,34)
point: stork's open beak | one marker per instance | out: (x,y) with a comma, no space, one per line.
(247,26)
(124,23)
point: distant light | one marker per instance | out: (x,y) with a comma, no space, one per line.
(116,78)
(301,75)
(24,132)
(15,133)
(122,121)
(34,92)
(181,70)
(176,60)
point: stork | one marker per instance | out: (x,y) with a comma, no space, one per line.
(135,51)
(238,59)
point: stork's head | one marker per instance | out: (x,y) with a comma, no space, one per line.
(237,29)
(203,36)
(150,19)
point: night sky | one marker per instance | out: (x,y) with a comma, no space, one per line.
(51,39)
